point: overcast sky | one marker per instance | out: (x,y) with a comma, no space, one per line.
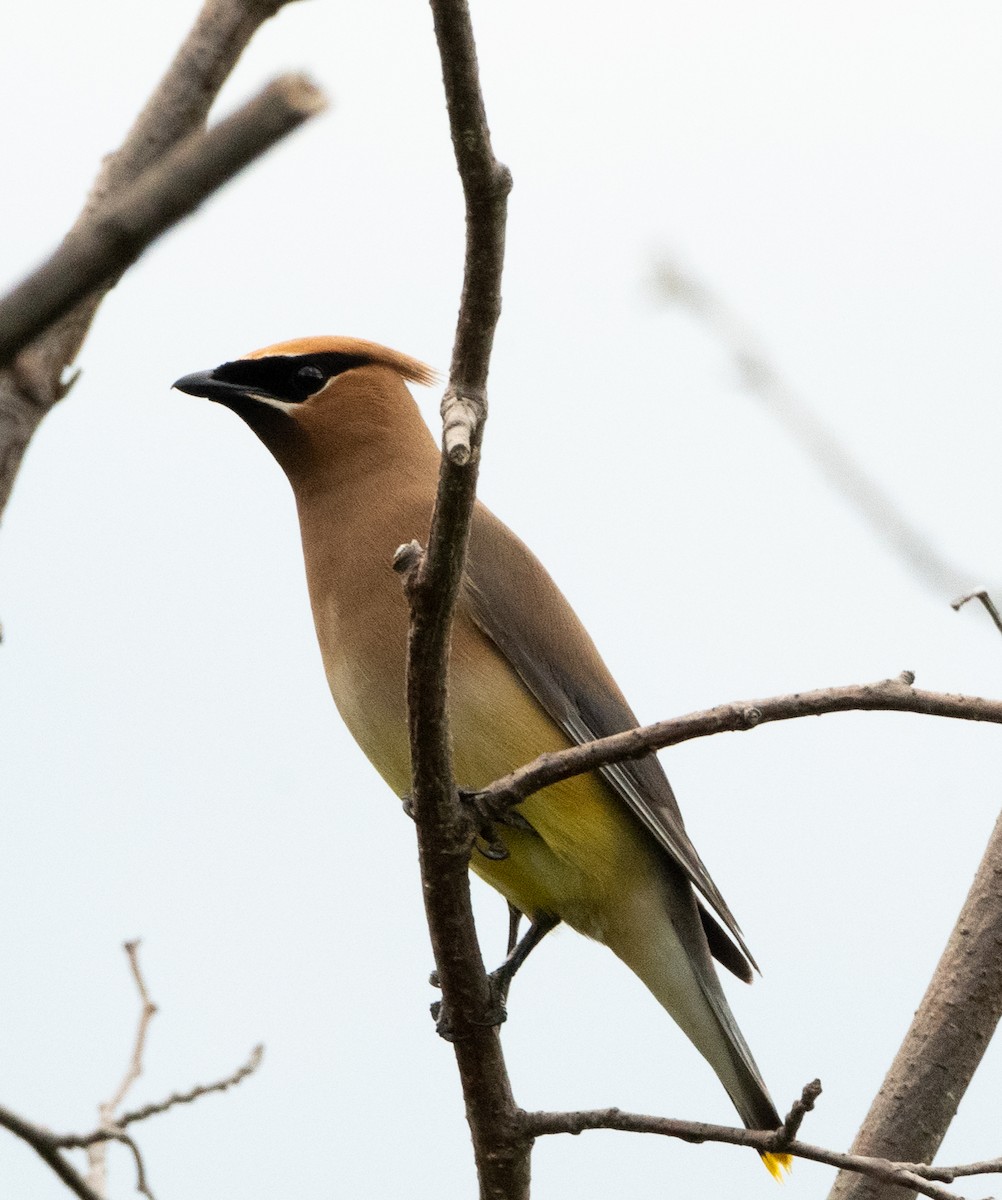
(173,766)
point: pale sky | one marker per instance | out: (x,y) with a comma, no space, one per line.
(174,767)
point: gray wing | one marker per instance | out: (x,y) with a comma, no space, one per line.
(513,600)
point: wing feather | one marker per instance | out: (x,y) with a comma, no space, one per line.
(517,605)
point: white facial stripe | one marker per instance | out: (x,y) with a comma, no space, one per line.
(280,404)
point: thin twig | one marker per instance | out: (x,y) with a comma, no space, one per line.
(540,1124)
(799,1110)
(171,189)
(990,1166)
(49,1145)
(142,1184)
(202,1089)
(889,695)
(815,437)
(986,600)
(97,1151)
(76,1141)
(147,1012)
(469,1010)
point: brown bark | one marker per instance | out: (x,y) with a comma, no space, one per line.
(96,253)
(177,107)
(950,1032)
(500,1146)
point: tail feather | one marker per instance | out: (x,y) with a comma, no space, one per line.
(680,973)
(776,1164)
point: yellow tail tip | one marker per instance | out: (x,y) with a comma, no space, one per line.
(776,1164)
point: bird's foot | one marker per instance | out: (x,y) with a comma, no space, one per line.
(486,815)
(495,1013)
(487,809)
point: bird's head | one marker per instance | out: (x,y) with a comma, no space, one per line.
(317,396)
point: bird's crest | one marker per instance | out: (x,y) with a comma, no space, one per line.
(371,352)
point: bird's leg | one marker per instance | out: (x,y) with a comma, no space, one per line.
(518,952)
(499,981)
(514,920)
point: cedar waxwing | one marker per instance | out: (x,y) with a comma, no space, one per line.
(606,852)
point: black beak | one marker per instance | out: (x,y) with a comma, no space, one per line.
(204,383)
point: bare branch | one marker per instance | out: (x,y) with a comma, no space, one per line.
(97,252)
(49,1146)
(815,437)
(795,1117)
(469,1010)
(986,600)
(486,184)
(202,1089)
(538,1124)
(177,107)
(142,1184)
(889,695)
(97,1151)
(76,1141)
(990,1166)
(46,1146)
(949,1034)
(147,1013)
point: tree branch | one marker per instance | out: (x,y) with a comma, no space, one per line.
(49,1146)
(177,107)
(432,580)
(97,1150)
(916,1177)
(889,695)
(486,184)
(78,1141)
(816,438)
(986,600)
(100,250)
(949,1034)
(46,1146)
(195,1093)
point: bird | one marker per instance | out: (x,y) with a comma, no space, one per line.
(606,852)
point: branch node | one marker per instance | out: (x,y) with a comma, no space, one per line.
(751,716)
(408,557)
(795,1117)
(407,562)
(907,678)
(463,415)
(986,600)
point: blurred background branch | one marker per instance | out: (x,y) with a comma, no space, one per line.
(177,107)
(673,284)
(111,1128)
(97,251)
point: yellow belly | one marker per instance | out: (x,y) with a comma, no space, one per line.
(586,851)
(585,854)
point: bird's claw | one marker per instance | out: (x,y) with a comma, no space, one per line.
(486,816)
(486,809)
(496,1013)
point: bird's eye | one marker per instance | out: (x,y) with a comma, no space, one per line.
(310,374)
